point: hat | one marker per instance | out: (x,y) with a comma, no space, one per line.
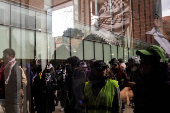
(153,50)
(83,64)
(99,65)
(112,60)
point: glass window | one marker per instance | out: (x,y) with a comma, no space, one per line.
(88,50)
(107,56)
(4,40)
(77,48)
(51,47)
(27,18)
(98,51)
(16,42)
(130,53)
(120,52)
(5,13)
(62,49)
(41,45)
(114,51)
(126,52)
(49,23)
(27,44)
(38,21)
(41,21)
(15,15)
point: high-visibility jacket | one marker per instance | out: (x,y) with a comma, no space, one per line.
(104,100)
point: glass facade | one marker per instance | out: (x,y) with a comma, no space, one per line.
(42,31)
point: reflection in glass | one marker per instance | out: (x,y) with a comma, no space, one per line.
(15,15)
(4,39)
(88,50)
(5,13)
(107,56)
(27,44)
(130,53)
(126,52)
(77,47)
(114,51)
(27,18)
(16,42)
(120,52)
(41,45)
(98,51)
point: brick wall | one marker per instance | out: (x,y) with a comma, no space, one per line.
(142,19)
(59,2)
(35,3)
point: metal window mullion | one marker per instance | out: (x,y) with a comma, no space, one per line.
(123,24)
(150,20)
(103,51)
(145,21)
(10,46)
(110,52)
(83,50)
(94,50)
(111,13)
(139,19)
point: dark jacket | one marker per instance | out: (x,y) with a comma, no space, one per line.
(12,91)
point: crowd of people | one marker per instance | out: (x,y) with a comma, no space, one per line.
(88,87)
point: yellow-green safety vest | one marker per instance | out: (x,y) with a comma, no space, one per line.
(104,100)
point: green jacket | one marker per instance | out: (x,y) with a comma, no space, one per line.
(104,102)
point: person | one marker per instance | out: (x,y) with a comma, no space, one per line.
(70,45)
(62,89)
(72,63)
(12,82)
(89,70)
(152,89)
(102,95)
(29,75)
(45,95)
(121,77)
(161,37)
(24,83)
(133,64)
(58,71)
(78,86)
(122,64)
(36,92)
(1,63)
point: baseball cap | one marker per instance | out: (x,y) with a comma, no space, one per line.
(153,50)
(99,65)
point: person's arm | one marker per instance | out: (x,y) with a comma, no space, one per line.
(79,84)
(117,105)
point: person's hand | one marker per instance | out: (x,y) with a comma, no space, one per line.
(83,104)
(126,94)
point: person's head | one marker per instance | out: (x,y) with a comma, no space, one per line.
(73,61)
(99,68)
(8,54)
(59,67)
(49,63)
(112,61)
(133,61)
(76,37)
(83,65)
(1,62)
(120,60)
(150,58)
